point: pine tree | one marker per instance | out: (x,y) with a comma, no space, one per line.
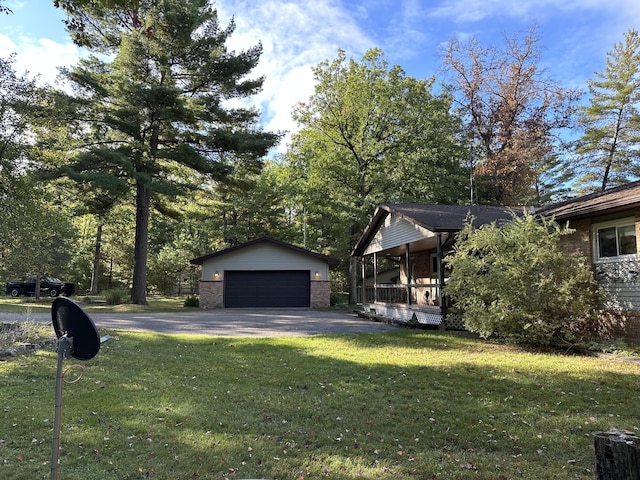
(153,120)
(608,150)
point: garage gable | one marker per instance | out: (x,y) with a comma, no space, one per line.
(264,273)
(263,256)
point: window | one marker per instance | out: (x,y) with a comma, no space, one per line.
(615,239)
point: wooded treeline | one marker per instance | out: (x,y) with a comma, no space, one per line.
(148,155)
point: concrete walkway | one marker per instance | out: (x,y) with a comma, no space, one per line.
(230,322)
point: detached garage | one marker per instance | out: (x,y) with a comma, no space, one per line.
(264,273)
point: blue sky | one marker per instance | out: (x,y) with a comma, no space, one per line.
(298,34)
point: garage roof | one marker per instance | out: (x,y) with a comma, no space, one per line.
(325,258)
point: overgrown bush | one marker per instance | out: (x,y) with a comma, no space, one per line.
(26,331)
(514,282)
(116,296)
(191,301)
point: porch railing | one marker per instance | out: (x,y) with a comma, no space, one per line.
(420,293)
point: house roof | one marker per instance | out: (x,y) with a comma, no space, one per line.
(612,200)
(435,218)
(268,240)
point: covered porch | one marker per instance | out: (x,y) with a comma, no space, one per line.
(417,296)
(415,239)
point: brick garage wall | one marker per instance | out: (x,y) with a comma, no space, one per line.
(320,294)
(211,294)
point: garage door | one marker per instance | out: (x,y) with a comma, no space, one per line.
(267,288)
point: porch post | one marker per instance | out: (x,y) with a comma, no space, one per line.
(407,262)
(440,274)
(375,277)
(364,287)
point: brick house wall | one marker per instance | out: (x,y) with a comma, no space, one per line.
(581,243)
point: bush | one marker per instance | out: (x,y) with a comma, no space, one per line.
(338,299)
(514,282)
(191,301)
(116,296)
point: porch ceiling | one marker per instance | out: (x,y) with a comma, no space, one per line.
(394,226)
(419,246)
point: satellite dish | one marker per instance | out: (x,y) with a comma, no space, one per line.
(69,319)
(77,338)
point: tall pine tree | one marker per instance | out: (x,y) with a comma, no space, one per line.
(608,151)
(154,118)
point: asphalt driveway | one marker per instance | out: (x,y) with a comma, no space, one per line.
(254,322)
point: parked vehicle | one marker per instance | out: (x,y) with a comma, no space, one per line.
(48,286)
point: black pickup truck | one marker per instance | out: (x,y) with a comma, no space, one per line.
(48,286)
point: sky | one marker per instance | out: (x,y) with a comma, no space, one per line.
(296,35)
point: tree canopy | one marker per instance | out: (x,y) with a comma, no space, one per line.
(372,134)
(608,152)
(513,111)
(155,118)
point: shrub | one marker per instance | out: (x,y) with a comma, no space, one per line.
(337,298)
(191,301)
(514,282)
(116,296)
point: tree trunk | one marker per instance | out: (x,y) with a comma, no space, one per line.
(617,455)
(37,292)
(96,262)
(353,280)
(139,288)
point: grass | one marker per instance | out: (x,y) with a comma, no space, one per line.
(406,404)
(93,304)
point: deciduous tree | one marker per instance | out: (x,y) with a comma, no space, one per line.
(608,151)
(371,134)
(513,112)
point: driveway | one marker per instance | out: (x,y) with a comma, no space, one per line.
(257,322)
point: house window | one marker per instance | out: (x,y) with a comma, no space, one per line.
(614,240)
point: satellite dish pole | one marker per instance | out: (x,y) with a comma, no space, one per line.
(77,338)
(64,347)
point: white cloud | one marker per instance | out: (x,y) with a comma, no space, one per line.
(296,36)
(40,57)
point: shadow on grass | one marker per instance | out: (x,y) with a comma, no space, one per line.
(407,404)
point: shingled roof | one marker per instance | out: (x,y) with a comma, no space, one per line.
(435,218)
(606,202)
(268,240)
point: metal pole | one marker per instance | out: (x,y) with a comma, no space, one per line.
(64,348)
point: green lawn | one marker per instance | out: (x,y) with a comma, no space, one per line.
(93,304)
(407,404)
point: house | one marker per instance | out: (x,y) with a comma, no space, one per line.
(417,237)
(264,272)
(607,225)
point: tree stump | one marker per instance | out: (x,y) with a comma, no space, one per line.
(617,455)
